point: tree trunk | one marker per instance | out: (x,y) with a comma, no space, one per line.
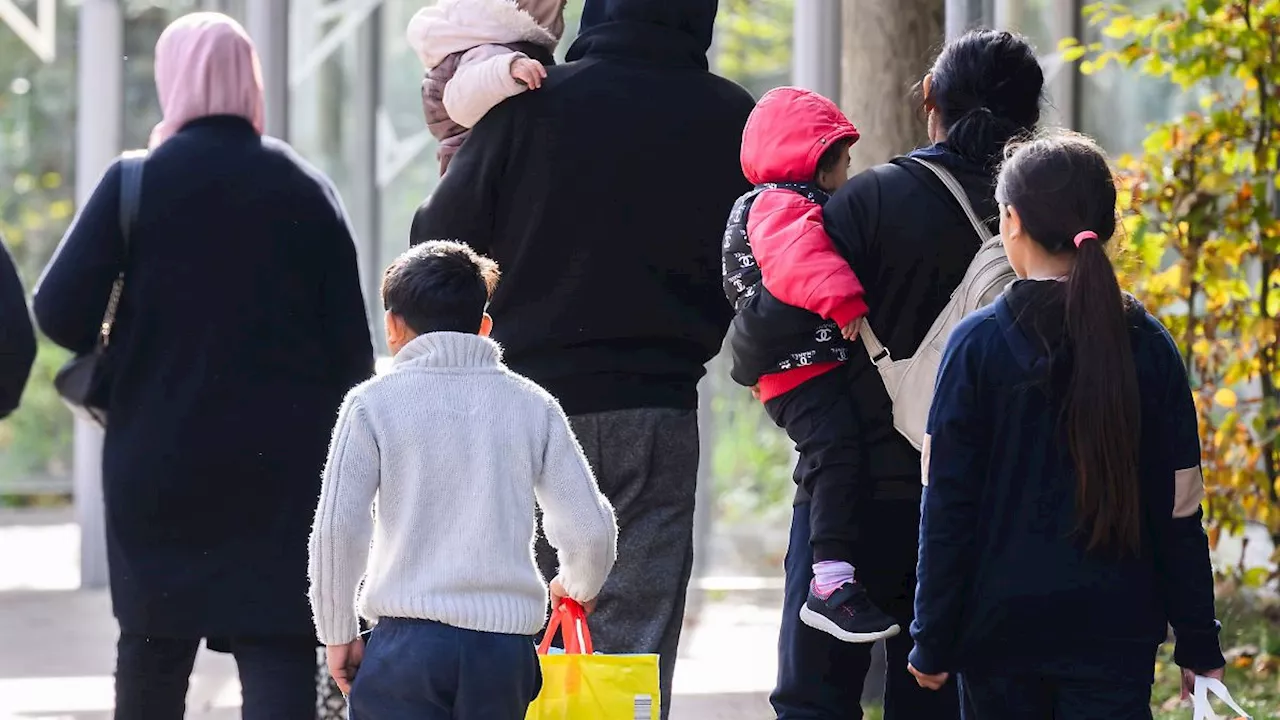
(888,47)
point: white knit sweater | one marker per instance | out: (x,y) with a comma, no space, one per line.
(455,449)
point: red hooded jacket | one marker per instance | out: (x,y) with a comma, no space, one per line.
(784,138)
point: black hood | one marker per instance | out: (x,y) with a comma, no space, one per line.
(669,32)
(1032,316)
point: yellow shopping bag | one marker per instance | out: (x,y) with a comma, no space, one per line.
(581,686)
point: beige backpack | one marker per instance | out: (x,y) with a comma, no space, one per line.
(910,381)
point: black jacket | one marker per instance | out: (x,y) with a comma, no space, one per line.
(603,196)
(241,327)
(775,336)
(910,243)
(1004,579)
(17,335)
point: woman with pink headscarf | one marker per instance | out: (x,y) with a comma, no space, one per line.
(240,327)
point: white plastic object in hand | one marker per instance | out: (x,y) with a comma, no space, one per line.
(1200,699)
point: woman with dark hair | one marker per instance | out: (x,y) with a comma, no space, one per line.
(910,241)
(239,329)
(1061,528)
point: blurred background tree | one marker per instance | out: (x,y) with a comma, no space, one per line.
(1200,213)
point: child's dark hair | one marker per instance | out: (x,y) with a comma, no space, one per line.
(440,286)
(1063,190)
(986,87)
(832,156)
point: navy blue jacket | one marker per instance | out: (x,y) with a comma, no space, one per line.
(603,197)
(1004,581)
(240,329)
(17,335)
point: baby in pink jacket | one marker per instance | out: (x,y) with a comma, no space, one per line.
(478,53)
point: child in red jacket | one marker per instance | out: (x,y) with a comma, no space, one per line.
(780,265)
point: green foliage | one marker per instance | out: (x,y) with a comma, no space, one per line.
(751,460)
(753,42)
(37,123)
(1199,212)
(36,440)
(1252,648)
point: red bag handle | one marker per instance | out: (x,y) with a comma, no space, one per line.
(571,620)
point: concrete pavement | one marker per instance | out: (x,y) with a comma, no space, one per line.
(57,643)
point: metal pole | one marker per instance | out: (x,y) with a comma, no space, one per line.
(963,15)
(268,23)
(364,148)
(815,59)
(1008,15)
(98,141)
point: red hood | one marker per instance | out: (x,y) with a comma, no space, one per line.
(787,134)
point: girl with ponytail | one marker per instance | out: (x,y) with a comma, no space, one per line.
(1061,526)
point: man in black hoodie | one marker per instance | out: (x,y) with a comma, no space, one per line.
(603,197)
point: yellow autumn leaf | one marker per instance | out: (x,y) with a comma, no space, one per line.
(1226,397)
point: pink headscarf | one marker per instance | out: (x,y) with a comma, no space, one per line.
(206,65)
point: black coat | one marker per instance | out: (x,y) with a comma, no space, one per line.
(240,329)
(17,336)
(603,196)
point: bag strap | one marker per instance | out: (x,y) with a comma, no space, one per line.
(1200,698)
(957,192)
(130,202)
(571,620)
(876,350)
(130,192)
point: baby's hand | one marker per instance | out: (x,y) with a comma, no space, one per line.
(529,72)
(850,331)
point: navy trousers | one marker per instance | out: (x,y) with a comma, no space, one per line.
(430,671)
(820,677)
(1016,697)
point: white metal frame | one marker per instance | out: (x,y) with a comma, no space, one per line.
(40,34)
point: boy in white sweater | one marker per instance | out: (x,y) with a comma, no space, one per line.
(439,463)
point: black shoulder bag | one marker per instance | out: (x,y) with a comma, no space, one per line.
(85,382)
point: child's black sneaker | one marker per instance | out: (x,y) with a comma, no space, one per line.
(848,615)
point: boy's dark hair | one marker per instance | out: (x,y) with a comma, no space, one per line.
(831,156)
(1061,185)
(440,286)
(986,86)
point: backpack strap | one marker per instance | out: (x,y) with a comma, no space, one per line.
(877,351)
(130,193)
(957,192)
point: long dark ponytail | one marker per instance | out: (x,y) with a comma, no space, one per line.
(986,87)
(1065,195)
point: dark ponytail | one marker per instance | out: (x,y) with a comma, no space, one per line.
(1065,196)
(986,87)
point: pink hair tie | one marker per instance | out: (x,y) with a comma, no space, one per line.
(1085,235)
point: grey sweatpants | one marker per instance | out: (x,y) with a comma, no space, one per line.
(646,462)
